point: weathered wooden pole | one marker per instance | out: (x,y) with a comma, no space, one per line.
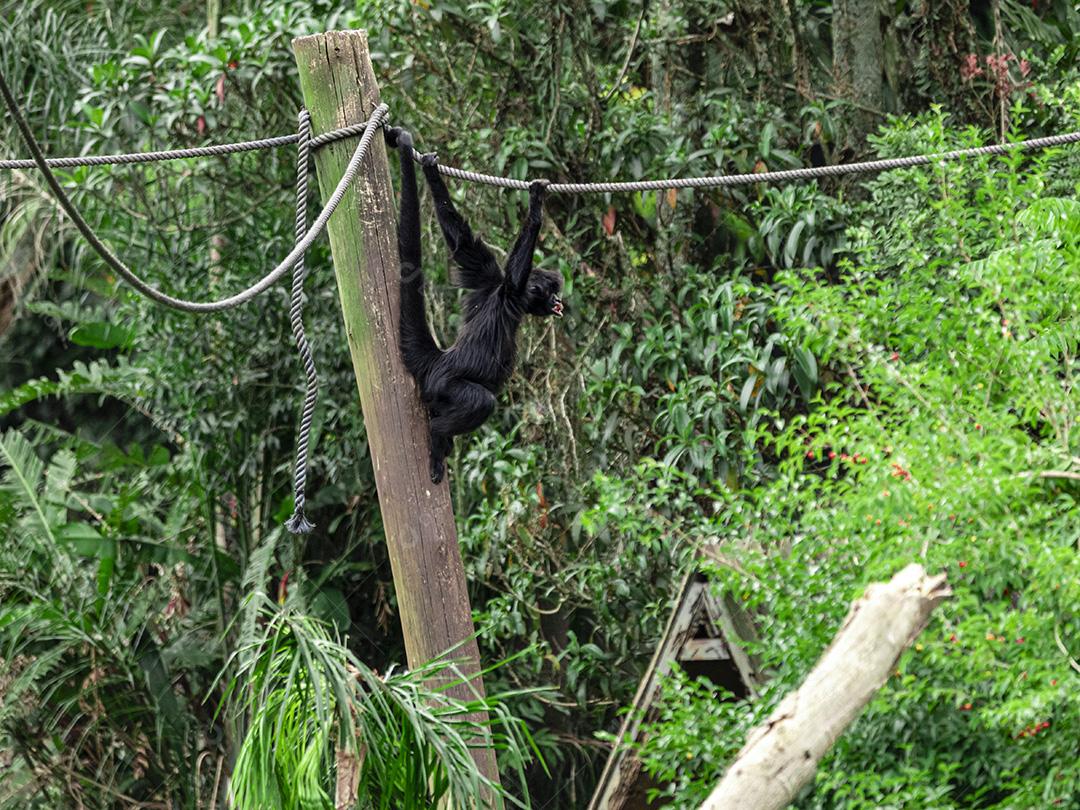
(339,90)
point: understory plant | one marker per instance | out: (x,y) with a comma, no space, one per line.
(944,433)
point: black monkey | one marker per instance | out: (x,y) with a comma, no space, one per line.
(458,385)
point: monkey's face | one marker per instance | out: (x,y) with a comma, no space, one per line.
(543,294)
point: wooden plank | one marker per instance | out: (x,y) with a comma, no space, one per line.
(704,649)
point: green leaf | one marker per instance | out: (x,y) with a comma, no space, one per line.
(85,540)
(102,335)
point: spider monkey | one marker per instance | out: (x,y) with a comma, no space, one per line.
(458,385)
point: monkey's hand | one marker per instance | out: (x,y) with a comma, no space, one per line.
(397,137)
(538,189)
(537,192)
(430,161)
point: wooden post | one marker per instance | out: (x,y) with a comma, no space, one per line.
(339,89)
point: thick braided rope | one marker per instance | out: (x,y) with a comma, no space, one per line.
(299,523)
(151,157)
(351,171)
(211,150)
(784,176)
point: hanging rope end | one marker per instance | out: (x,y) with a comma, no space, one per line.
(298,523)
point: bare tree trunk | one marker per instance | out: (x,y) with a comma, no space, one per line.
(858,68)
(781,755)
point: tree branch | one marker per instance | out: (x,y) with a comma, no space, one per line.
(781,755)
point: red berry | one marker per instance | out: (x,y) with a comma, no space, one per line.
(1020,640)
(952,638)
(962,563)
(832,455)
(810,454)
(966,707)
(894,356)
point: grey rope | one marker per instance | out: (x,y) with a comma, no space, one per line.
(151,157)
(783,176)
(177,154)
(299,523)
(728,180)
(242,297)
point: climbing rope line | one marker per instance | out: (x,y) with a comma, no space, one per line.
(711,181)
(782,176)
(299,523)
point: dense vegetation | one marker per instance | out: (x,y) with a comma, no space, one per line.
(829,381)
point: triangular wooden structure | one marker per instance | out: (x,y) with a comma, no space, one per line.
(703,635)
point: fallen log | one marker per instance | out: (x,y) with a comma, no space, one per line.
(781,755)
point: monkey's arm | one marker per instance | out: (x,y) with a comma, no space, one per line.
(519,263)
(477,266)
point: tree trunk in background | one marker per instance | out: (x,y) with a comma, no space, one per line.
(858,66)
(675,69)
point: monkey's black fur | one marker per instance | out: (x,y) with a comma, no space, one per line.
(458,385)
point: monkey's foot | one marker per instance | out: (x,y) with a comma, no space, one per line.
(438,470)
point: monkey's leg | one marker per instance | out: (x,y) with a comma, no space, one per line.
(463,407)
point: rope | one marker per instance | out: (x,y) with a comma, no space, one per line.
(212,150)
(242,297)
(783,176)
(714,181)
(298,523)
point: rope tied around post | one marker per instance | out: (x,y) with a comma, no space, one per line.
(298,523)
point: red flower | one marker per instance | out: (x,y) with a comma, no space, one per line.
(900,472)
(969,68)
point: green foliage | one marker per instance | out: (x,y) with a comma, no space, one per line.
(147,455)
(951,346)
(307,695)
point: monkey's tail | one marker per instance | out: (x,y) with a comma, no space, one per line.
(418,348)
